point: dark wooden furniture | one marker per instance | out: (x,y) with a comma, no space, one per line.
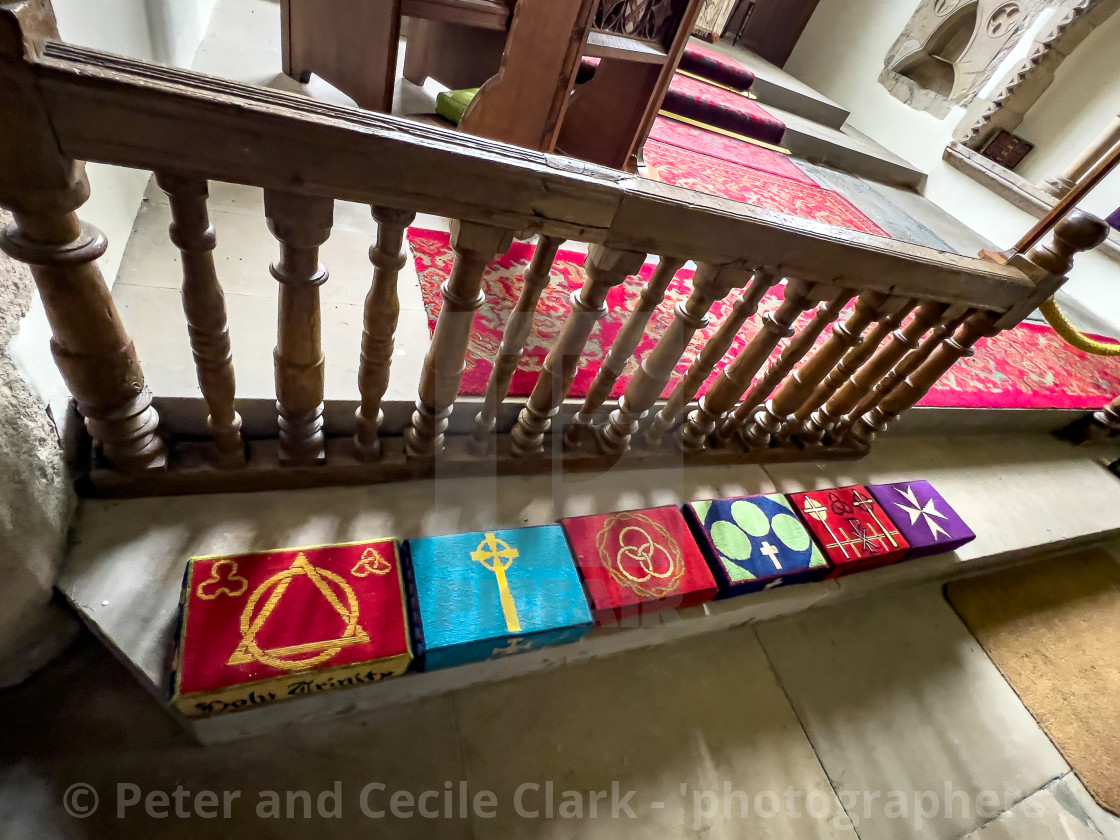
(770,28)
(524,55)
(353,43)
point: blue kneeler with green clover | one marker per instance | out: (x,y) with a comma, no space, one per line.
(755,542)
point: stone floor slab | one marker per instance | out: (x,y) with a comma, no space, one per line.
(1041,815)
(94,726)
(897,696)
(700,732)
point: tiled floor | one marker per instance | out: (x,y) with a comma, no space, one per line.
(879,718)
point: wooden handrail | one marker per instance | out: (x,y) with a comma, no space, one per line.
(116,110)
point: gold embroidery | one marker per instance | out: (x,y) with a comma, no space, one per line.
(216,577)
(248,650)
(660,567)
(500,555)
(380,566)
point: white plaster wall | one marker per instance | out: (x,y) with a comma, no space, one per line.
(841,54)
(164,31)
(1073,112)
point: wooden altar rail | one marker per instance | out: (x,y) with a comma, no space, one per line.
(812,383)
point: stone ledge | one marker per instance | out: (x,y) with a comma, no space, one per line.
(1023,495)
(1013,188)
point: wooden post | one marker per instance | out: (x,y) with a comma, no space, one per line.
(379,326)
(300,224)
(518,328)
(43,188)
(734,379)
(625,343)
(760,424)
(475,245)
(204,304)
(606,268)
(845,369)
(711,283)
(709,356)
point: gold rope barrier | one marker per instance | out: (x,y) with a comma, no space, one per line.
(1071,335)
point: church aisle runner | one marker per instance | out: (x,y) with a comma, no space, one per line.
(1027,367)
(741,182)
(1051,629)
(684,136)
(726,109)
(703,61)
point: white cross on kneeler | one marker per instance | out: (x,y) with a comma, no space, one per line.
(772,552)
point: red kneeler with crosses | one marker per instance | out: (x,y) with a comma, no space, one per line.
(853,531)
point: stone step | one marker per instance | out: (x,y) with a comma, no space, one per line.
(1022,494)
(846,149)
(774,86)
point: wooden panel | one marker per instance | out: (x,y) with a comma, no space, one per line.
(774,27)
(489,14)
(525,102)
(608,45)
(454,55)
(350,43)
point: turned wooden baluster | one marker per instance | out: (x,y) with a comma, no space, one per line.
(379,326)
(923,367)
(735,378)
(517,331)
(474,245)
(852,362)
(914,386)
(625,343)
(711,283)
(300,224)
(949,322)
(90,346)
(43,188)
(778,370)
(713,351)
(606,268)
(204,304)
(856,378)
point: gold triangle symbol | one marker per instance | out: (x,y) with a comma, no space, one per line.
(249,651)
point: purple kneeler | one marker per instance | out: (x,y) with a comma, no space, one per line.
(923,516)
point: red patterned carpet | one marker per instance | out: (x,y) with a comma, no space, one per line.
(722,108)
(707,63)
(1028,367)
(728,149)
(701,172)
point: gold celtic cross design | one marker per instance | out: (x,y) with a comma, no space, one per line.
(497,556)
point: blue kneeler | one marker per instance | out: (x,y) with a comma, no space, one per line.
(492,593)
